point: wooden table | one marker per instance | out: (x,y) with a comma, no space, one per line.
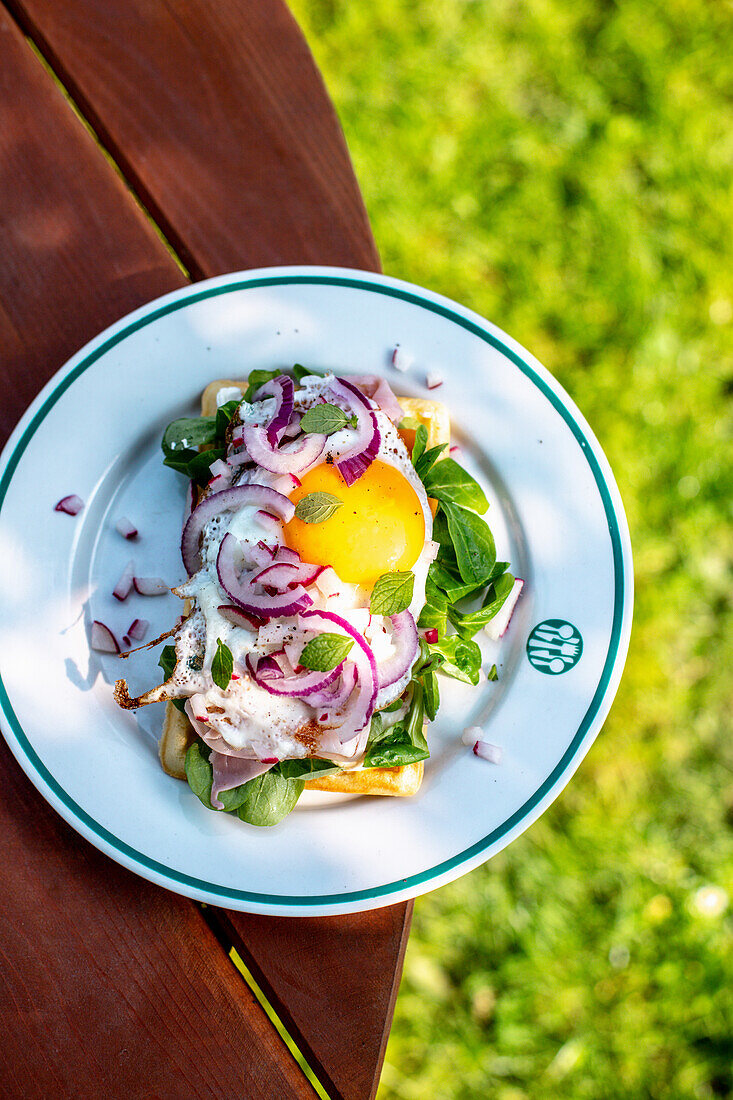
(144,143)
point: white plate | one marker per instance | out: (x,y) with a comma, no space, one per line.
(95,430)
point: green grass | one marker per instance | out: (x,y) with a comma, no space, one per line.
(563,167)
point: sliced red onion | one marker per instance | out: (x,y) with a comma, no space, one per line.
(284,553)
(261,554)
(232,771)
(357,715)
(102,639)
(286,484)
(433,379)
(71,505)
(334,696)
(431,635)
(381,393)
(358,458)
(238,617)
(126,529)
(282,389)
(487,751)
(138,629)
(299,686)
(291,459)
(293,427)
(238,458)
(191,497)
(406,642)
(230,500)
(242,593)
(268,522)
(150,586)
(284,575)
(329,583)
(496,628)
(266,668)
(219,468)
(124,585)
(401,359)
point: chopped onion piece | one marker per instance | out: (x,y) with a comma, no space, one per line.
(401,359)
(124,585)
(150,586)
(433,379)
(328,582)
(102,639)
(230,500)
(71,505)
(471,735)
(126,529)
(497,627)
(138,629)
(487,751)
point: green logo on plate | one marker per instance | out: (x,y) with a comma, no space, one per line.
(554,646)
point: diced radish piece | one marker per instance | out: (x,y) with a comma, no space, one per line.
(219,468)
(138,629)
(471,734)
(487,751)
(431,635)
(71,505)
(126,529)
(328,582)
(124,585)
(150,586)
(433,379)
(496,628)
(102,639)
(401,360)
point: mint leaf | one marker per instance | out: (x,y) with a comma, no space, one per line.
(473,544)
(187,433)
(256,379)
(222,666)
(326,419)
(269,798)
(325,652)
(392,593)
(317,507)
(428,459)
(448,482)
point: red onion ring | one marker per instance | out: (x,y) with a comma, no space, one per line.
(230,500)
(293,459)
(299,686)
(406,642)
(282,389)
(242,593)
(358,458)
(237,617)
(358,714)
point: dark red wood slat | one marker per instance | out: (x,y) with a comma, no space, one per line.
(109,986)
(218,114)
(237,151)
(334,982)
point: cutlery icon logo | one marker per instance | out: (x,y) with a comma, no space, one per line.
(554,646)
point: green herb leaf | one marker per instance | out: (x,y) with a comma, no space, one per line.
(299,371)
(194,464)
(421,442)
(469,623)
(256,379)
(431,694)
(326,419)
(473,544)
(427,460)
(309,768)
(393,754)
(317,507)
(325,652)
(269,798)
(462,658)
(224,415)
(492,674)
(416,719)
(449,582)
(187,433)
(167,661)
(222,666)
(448,482)
(392,593)
(199,773)
(434,614)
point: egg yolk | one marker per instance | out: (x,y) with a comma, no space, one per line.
(379,527)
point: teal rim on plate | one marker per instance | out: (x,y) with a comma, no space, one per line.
(588,449)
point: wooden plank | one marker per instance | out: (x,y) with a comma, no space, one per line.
(109,986)
(249,170)
(334,982)
(218,114)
